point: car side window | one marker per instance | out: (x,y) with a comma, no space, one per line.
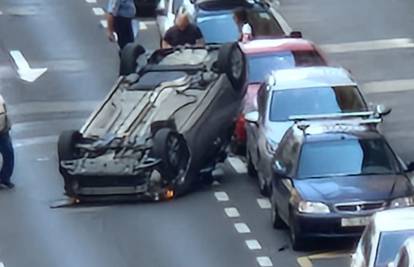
(176,6)
(261,100)
(403,260)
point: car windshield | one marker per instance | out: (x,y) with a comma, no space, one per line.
(347,157)
(389,245)
(214,24)
(261,65)
(318,100)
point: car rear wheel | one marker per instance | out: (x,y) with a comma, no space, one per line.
(277,221)
(67,151)
(232,62)
(172,149)
(263,186)
(250,167)
(129,56)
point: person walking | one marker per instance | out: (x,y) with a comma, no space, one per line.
(241,19)
(7,160)
(119,17)
(182,33)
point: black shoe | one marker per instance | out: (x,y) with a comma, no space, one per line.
(9,185)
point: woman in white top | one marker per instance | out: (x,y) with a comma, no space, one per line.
(240,17)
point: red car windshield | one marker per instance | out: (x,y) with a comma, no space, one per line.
(261,65)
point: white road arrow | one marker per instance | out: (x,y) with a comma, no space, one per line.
(23,68)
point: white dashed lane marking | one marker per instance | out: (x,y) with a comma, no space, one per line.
(232,212)
(98,11)
(389,86)
(104,23)
(91,1)
(242,228)
(1,264)
(264,203)
(264,261)
(237,164)
(221,196)
(253,244)
(368,45)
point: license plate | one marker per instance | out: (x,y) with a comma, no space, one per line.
(357,221)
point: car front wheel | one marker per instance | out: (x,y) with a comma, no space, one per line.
(298,242)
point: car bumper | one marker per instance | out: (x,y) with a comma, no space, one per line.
(321,226)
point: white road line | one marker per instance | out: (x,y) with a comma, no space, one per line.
(1,13)
(264,203)
(91,1)
(237,164)
(221,196)
(264,261)
(242,228)
(253,244)
(19,143)
(368,45)
(143,26)
(28,108)
(104,23)
(1,264)
(388,86)
(232,212)
(98,11)
(23,68)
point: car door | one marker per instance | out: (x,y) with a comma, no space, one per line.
(287,156)
(257,138)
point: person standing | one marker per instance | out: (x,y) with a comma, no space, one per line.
(182,33)
(119,17)
(241,19)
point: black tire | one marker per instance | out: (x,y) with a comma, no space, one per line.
(298,242)
(232,62)
(263,187)
(251,171)
(277,221)
(129,56)
(67,151)
(7,153)
(172,149)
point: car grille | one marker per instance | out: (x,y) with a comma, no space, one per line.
(358,207)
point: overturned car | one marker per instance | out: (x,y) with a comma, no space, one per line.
(161,129)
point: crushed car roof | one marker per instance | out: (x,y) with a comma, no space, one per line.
(310,77)
(276,45)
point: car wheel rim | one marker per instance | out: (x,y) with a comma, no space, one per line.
(174,151)
(236,65)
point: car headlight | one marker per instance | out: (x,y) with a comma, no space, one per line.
(271,146)
(313,207)
(402,202)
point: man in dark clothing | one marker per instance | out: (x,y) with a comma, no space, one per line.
(182,33)
(119,17)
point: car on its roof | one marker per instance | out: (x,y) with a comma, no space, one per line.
(386,232)
(161,129)
(330,174)
(297,91)
(215,18)
(264,56)
(405,256)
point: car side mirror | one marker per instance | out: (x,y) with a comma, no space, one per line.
(279,169)
(295,34)
(382,110)
(252,117)
(410,167)
(161,12)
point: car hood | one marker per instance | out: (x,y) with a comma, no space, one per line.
(276,130)
(354,188)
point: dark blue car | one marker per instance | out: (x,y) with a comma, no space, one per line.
(329,177)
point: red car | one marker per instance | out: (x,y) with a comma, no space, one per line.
(263,56)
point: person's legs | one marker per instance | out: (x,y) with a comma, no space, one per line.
(123,28)
(7,153)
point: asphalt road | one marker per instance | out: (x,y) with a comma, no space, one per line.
(215,225)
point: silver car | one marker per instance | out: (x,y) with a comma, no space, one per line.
(294,92)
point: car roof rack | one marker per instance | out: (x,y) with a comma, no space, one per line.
(330,116)
(336,125)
